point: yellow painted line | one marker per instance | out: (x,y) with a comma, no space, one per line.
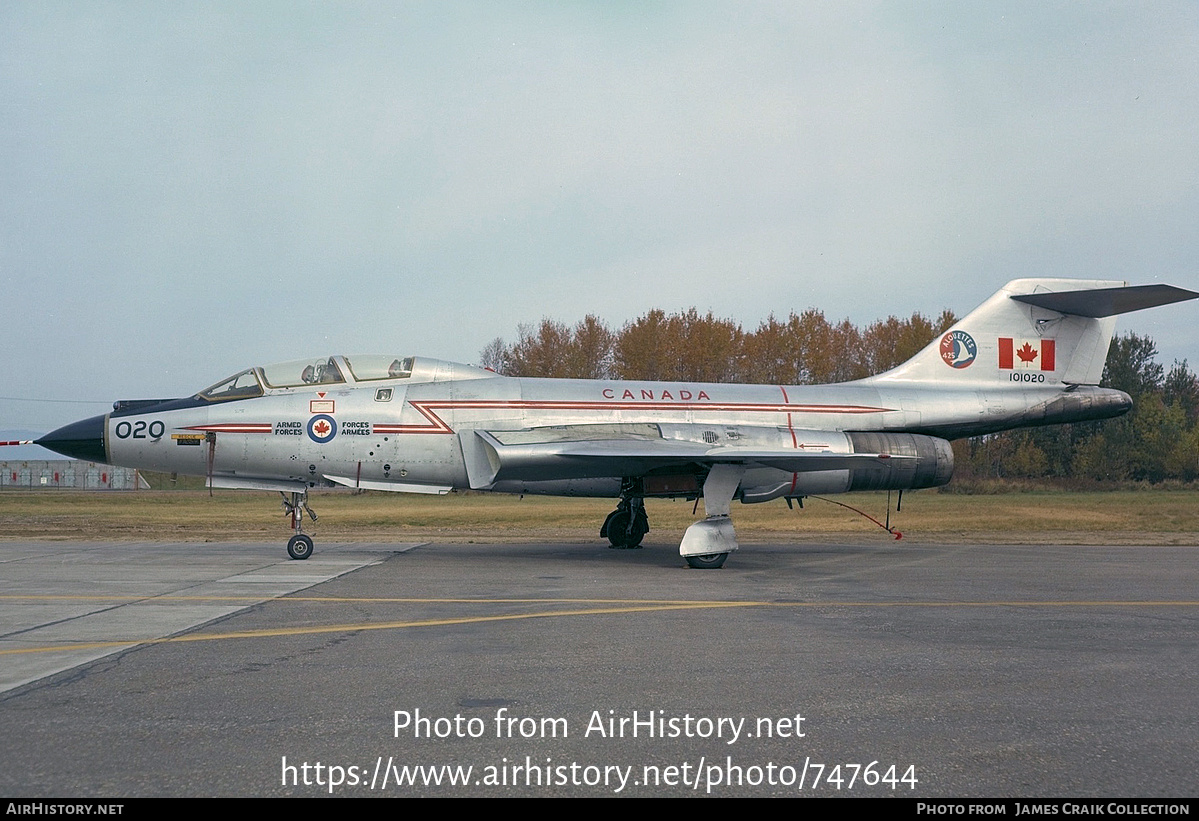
(350,628)
(632,607)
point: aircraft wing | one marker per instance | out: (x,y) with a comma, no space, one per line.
(596,451)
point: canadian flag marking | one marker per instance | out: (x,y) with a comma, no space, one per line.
(1027,354)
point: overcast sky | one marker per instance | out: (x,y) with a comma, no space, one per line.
(188,189)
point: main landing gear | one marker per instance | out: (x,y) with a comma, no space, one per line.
(299,546)
(626,526)
(708,542)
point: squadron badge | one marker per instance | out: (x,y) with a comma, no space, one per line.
(958,349)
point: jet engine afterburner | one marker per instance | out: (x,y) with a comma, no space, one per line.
(922,461)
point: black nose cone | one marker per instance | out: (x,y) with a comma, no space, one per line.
(79,440)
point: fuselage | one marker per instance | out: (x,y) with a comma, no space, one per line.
(406,432)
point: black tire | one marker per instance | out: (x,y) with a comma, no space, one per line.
(299,547)
(634,538)
(617,529)
(640,528)
(606,528)
(709,561)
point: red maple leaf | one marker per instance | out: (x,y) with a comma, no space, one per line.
(321,427)
(1026,354)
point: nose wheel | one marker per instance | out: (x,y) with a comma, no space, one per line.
(709,561)
(300,545)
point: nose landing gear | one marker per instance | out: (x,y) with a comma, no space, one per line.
(300,545)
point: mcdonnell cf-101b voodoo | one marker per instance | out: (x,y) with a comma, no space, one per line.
(1032,354)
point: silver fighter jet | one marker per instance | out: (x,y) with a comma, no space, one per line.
(1032,354)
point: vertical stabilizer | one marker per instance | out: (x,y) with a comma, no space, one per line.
(1041,331)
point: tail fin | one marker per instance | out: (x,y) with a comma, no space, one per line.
(1047,331)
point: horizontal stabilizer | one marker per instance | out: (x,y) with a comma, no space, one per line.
(1101,302)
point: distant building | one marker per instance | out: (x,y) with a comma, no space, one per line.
(44,474)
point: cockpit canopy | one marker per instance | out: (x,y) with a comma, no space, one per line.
(334,370)
(239,386)
(300,372)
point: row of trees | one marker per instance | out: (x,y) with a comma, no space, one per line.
(1158,440)
(692,347)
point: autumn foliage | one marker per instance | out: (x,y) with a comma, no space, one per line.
(692,347)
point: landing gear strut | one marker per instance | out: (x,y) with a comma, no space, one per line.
(708,542)
(626,526)
(299,546)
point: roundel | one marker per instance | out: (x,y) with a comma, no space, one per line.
(322,428)
(958,349)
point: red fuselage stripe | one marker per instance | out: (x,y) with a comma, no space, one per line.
(232,427)
(428,409)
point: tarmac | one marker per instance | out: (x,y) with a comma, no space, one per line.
(879,668)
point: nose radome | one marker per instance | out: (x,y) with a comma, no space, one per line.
(79,440)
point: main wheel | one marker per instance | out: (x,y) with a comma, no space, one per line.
(633,539)
(299,546)
(619,534)
(709,561)
(617,527)
(606,528)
